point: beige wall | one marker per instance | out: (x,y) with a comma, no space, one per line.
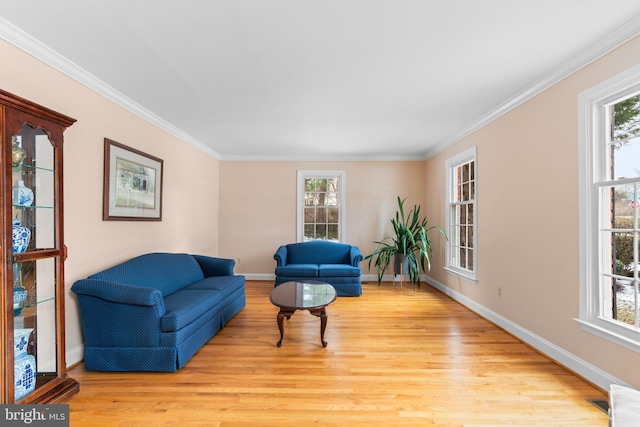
(528,217)
(258,205)
(190,205)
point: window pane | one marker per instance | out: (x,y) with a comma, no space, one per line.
(470,259)
(463,236)
(453,236)
(626,159)
(624,310)
(463,258)
(626,118)
(465,173)
(463,214)
(309,231)
(321,231)
(470,214)
(465,191)
(622,254)
(332,232)
(321,215)
(309,215)
(309,185)
(332,198)
(332,185)
(625,145)
(333,215)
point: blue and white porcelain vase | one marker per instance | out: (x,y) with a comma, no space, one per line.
(20,237)
(21,341)
(24,364)
(19,295)
(21,195)
(24,374)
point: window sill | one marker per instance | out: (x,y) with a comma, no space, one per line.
(608,334)
(461,274)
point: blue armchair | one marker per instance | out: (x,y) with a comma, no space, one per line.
(330,262)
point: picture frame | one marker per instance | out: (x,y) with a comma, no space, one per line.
(132,185)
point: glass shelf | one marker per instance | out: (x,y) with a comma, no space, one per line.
(31,207)
(31,302)
(29,169)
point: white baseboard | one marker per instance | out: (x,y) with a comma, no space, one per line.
(586,370)
(75,355)
(272,277)
(252,276)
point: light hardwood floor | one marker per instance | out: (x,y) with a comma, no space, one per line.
(394,358)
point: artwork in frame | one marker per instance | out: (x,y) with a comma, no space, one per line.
(132,184)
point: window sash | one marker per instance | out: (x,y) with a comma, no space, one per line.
(600,237)
(461,214)
(321,207)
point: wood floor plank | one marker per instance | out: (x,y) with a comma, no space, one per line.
(394,357)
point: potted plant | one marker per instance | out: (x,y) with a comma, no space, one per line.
(410,247)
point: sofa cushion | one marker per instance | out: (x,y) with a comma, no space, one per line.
(318,252)
(338,270)
(183,307)
(226,285)
(302,270)
(163,271)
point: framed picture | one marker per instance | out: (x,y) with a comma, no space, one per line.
(132,189)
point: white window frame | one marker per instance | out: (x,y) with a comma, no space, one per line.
(592,131)
(342,185)
(450,165)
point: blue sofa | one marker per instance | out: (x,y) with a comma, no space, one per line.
(153,312)
(330,262)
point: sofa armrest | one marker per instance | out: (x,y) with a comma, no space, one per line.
(212,266)
(281,256)
(120,293)
(119,315)
(355,255)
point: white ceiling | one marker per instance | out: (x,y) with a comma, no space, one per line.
(319,79)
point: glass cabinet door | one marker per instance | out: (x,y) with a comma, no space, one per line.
(35,260)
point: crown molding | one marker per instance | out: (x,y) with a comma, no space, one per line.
(23,41)
(621,35)
(321,158)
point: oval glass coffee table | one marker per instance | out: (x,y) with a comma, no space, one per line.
(312,295)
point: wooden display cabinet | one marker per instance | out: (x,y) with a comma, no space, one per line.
(32,331)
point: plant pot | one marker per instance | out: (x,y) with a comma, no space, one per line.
(400,264)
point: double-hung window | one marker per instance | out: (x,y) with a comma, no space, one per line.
(321,210)
(462,254)
(610,209)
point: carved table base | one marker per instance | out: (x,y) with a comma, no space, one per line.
(318,312)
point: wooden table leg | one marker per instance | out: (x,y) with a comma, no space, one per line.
(322,314)
(281,315)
